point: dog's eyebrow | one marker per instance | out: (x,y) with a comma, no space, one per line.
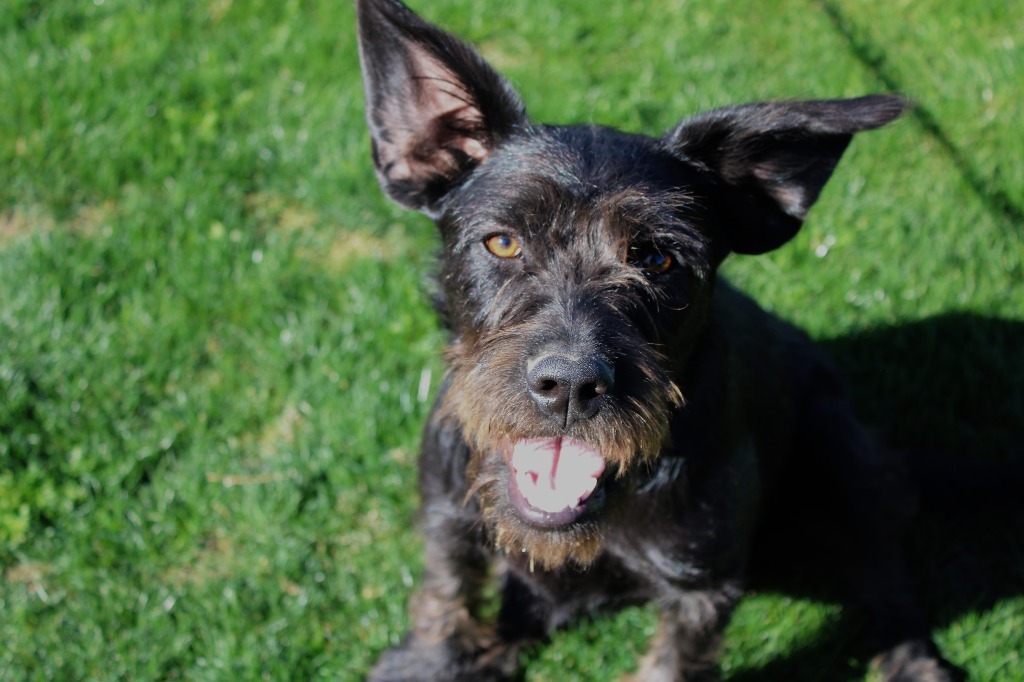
(663,219)
(518,205)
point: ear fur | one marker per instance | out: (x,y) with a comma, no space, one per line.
(435,108)
(775,157)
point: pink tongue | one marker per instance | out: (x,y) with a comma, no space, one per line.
(555,474)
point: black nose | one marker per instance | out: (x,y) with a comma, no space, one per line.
(568,388)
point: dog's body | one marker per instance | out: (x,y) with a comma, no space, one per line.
(616,419)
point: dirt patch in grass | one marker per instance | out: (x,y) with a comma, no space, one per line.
(281,431)
(32,575)
(280,213)
(16,224)
(23,222)
(336,247)
(217,559)
(356,245)
(350,246)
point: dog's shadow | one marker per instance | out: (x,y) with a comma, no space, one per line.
(949,384)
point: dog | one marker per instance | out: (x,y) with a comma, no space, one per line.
(616,418)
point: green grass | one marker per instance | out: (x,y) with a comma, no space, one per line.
(215,345)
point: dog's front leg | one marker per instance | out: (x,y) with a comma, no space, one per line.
(686,647)
(446,641)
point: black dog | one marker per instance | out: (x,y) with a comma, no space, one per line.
(616,418)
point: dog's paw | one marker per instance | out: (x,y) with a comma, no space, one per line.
(914,662)
(416,661)
(653,669)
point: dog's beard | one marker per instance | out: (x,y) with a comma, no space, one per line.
(488,402)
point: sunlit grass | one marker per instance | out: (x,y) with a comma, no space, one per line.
(216,350)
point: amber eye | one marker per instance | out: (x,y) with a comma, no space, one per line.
(503,246)
(655,262)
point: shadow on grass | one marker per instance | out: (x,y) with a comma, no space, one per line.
(826,659)
(952,384)
(874,58)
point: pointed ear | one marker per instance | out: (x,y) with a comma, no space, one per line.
(435,108)
(774,158)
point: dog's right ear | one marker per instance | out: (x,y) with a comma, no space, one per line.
(435,108)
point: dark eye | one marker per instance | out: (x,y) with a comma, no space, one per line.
(651,260)
(503,246)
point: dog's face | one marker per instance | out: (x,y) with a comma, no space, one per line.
(566,277)
(578,263)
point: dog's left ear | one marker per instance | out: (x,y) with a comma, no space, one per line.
(774,158)
(435,108)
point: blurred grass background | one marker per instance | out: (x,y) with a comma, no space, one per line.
(216,353)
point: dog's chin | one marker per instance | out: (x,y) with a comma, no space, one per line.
(529,544)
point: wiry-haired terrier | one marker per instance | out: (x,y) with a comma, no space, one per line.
(616,417)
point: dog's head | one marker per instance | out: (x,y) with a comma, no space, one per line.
(578,262)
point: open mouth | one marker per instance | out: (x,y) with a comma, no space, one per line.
(554,480)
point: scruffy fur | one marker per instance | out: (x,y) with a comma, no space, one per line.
(705,409)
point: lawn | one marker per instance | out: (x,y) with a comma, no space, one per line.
(216,349)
